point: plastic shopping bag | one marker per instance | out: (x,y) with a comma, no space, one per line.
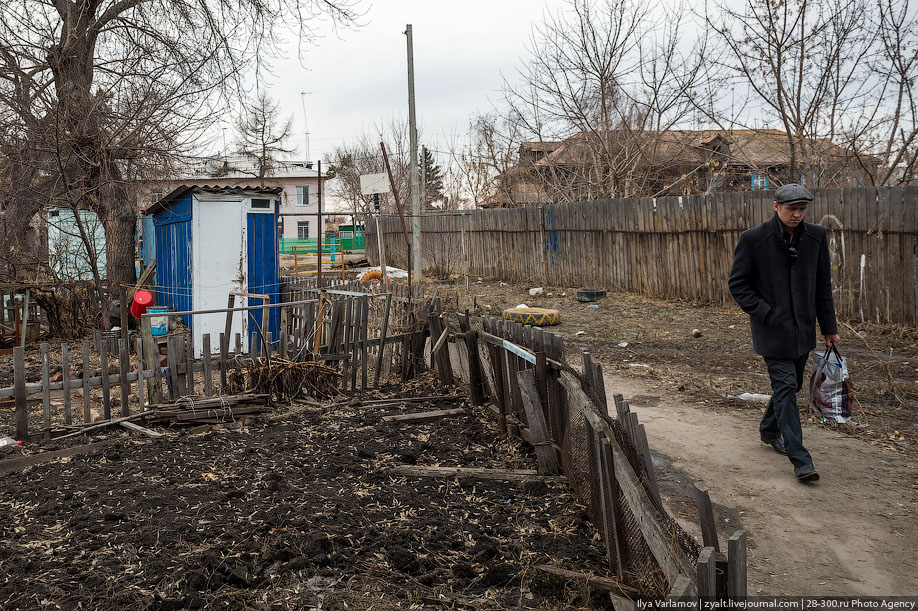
(831,391)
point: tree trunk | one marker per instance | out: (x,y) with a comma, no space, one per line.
(120,229)
(58,322)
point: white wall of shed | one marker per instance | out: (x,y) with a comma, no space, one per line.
(219,265)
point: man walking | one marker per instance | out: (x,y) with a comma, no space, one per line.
(781,277)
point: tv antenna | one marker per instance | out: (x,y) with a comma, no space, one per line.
(303,95)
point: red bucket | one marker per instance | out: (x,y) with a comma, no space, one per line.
(142,299)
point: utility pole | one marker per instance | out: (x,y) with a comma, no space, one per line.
(319,217)
(413,134)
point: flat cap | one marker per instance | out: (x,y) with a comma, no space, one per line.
(793,194)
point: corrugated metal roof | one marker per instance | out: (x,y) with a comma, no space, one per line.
(179,191)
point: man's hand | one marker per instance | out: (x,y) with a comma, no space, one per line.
(832,340)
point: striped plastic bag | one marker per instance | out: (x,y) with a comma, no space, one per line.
(831,391)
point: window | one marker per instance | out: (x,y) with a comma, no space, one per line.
(261,203)
(759,182)
(302,229)
(302,195)
(716,183)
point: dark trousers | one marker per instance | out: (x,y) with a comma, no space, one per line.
(782,417)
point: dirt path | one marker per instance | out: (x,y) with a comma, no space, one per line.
(852,533)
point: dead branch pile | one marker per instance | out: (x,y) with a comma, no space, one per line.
(285,380)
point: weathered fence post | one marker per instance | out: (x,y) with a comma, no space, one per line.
(151,358)
(538,430)
(736,566)
(382,335)
(45,393)
(706,517)
(123,370)
(87,409)
(65,380)
(707,577)
(19,394)
(611,507)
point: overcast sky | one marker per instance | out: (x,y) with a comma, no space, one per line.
(355,78)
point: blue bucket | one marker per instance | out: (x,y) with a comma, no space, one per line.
(159,324)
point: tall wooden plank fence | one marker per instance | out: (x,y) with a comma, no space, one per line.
(676,247)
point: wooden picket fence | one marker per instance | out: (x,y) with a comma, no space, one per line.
(521,375)
(20,316)
(676,247)
(22,319)
(338,325)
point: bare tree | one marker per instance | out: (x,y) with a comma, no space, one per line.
(262,134)
(611,81)
(95,94)
(836,75)
(887,129)
(482,166)
(350,161)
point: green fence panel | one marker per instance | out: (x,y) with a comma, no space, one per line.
(311,245)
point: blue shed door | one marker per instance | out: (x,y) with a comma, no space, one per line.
(263,274)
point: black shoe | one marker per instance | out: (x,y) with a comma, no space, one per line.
(806,473)
(777,444)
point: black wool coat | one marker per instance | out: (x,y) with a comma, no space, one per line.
(784,297)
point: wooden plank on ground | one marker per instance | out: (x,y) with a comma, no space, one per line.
(594,581)
(426,416)
(11,465)
(140,429)
(518,475)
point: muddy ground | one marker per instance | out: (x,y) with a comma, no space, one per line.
(715,367)
(296,510)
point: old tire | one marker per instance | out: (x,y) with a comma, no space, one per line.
(540,317)
(373,274)
(587,295)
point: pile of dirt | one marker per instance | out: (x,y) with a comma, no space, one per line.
(292,511)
